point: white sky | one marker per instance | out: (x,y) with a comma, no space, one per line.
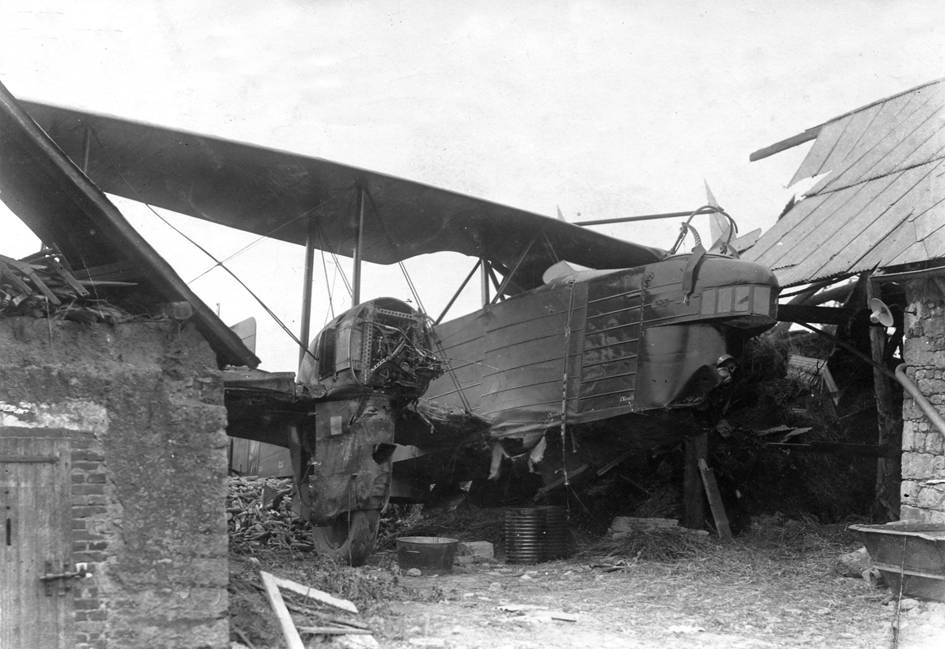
(604,108)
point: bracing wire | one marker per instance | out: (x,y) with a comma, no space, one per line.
(412,287)
(219,263)
(329,287)
(267,235)
(341,271)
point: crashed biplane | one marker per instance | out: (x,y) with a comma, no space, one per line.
(586,348)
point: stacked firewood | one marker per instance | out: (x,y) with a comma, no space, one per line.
(259,515)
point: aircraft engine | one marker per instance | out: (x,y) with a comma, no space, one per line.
(363,368)
(381,345)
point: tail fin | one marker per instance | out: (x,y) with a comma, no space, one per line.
(246,330)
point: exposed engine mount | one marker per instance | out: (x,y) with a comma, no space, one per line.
(382,345)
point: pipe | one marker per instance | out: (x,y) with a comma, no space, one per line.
(920,399)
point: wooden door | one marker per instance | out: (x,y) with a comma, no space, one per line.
(35,539)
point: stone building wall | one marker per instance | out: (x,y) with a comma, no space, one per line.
(142,406)
(923,445)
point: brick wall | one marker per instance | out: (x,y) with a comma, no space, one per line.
(142,406)
(923,445)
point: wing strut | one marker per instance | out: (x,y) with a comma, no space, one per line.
(485,266)
(508,278)
(458,291)
(307,288)
(359,245)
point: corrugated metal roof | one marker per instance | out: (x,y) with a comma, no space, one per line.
(882,200)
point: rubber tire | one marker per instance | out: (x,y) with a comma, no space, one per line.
(349,538)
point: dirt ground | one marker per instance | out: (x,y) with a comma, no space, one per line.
(772,587)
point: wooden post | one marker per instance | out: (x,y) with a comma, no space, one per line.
(695,449)
(888,423)
(715,501)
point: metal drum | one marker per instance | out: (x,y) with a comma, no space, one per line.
(535,534)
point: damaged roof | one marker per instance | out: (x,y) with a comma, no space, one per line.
(42,186)
(881,200)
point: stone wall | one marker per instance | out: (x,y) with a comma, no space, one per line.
(923,445)
(142,405)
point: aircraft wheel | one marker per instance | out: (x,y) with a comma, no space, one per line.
(349,538)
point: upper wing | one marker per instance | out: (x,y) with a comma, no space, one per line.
(273,193)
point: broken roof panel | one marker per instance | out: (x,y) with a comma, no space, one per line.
(879,205)
(61,205)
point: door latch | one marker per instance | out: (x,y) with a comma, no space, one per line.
(63,577)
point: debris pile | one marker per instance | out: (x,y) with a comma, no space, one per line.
(42,286)
(648,539)
(259,515)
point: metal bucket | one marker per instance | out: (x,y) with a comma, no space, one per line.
(911,552)
(535,534)
(429,554)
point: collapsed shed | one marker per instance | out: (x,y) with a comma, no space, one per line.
(876,213)
(113,448)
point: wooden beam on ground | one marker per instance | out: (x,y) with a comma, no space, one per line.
(333,630)
(695,449)
(291,634)
(312,593)
(715,501)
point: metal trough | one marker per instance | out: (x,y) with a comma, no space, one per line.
(911,552)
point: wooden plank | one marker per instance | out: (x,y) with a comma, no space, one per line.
(715,501)
(291,634)
(696,448)
(333,630)
(312,593)
(782,145)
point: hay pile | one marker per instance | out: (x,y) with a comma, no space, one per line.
(656,545)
